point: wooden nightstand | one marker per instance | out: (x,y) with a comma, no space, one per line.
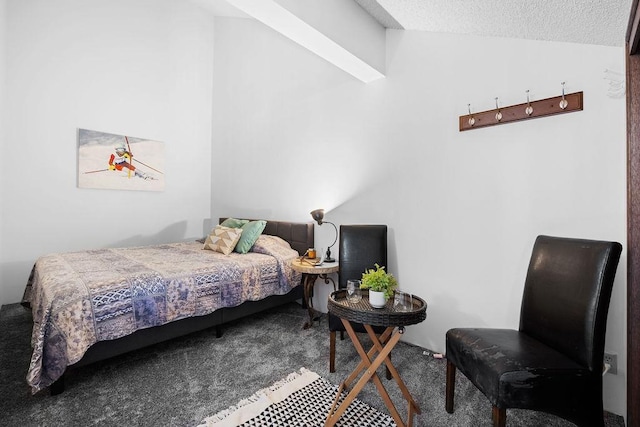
(310,274)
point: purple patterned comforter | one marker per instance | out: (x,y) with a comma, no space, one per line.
(80,298)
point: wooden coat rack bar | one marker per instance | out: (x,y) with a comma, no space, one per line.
(513,113)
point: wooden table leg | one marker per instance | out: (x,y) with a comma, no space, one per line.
(369,367)
(384,337)
(394,372)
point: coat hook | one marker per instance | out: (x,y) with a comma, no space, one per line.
(498,114)
(472,121)
(529,109)
(564,102)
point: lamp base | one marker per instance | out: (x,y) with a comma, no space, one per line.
(329,260)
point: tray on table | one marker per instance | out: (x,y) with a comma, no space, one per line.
(363,312)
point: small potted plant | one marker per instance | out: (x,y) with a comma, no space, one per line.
(380,285)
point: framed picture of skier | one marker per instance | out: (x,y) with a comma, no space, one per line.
(119,162)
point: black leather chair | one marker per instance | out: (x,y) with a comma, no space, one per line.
(553,362)
(360,248)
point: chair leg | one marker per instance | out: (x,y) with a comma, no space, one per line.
(332,351)
(450,386)
(341,335)
(389,376)
(57,387)
(590,414)
(499,416)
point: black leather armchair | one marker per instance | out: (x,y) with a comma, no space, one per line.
(361,246)
(553,362)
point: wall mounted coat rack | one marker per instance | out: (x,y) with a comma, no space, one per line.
(528,110)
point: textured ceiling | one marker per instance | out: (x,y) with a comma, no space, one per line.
(601,22)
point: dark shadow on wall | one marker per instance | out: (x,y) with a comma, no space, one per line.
(170,234)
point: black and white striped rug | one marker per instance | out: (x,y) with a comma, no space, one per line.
(302,399)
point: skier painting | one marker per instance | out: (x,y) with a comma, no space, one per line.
(110,161)
(122,160)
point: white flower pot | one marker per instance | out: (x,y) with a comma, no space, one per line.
(377,299)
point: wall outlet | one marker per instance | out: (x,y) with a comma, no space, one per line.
(612,360)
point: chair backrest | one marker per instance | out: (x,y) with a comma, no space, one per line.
(361,246)
(566,296)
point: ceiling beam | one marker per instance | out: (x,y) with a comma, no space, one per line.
(277,17)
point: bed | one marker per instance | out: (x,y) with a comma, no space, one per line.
(92,305)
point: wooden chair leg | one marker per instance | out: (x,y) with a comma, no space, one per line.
(450,386)
(332,351)
(499,416)
(590,414)
(57,387)
(389,376)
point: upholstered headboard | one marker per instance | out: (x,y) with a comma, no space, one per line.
(299,234)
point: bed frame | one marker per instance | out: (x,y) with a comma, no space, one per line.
(299,235)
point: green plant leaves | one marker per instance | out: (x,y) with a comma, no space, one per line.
(379,280)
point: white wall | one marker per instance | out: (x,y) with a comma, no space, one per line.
(3,26)
(463,208)
(140,68)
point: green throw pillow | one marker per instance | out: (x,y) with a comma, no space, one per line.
(250,233)
(234,222)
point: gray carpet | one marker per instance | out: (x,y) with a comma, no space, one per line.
(179,383)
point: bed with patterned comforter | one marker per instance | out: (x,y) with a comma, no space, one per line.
(81,298)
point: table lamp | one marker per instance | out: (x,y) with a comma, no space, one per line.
(318,216)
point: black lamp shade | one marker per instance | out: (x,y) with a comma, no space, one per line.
(318,215)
